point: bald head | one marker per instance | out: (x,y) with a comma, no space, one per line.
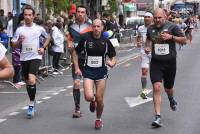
(159,17)
(97,27)
(97,21)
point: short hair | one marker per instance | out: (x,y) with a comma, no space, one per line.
(28,7)
(82,6)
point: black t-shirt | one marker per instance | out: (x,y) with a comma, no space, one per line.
(163,50)
(95,51)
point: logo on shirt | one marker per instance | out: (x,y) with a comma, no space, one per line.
(90,44)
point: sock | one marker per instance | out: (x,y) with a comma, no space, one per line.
(171,97)
(144,82)
(31,89)
(77,95)
(158,115)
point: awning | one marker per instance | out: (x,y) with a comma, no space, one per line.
(130,7)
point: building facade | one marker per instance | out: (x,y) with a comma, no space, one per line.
(6,5)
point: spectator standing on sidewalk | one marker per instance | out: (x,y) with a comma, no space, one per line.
(27,38)
(3,19)
(77,31)
(58,45)
(96,50)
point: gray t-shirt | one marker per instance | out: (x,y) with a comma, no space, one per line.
(163,50)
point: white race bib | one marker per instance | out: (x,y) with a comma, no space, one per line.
(161,49)
(29,47)
(94,61)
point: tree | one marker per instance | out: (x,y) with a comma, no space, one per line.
(113,5)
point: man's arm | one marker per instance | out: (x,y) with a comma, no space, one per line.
(111,62)
(7,70)
(75,62)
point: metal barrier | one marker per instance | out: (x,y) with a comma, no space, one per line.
(126,36)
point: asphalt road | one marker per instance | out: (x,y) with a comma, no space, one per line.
(55,106)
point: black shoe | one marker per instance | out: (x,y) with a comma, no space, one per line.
(173,104)
(157,122)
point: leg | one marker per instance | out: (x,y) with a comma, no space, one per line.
(157,97)
(88,85)
(100,88)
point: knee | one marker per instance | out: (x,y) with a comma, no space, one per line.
(99,99)
(157,87)
(77,84)
(31,81)
(88,98)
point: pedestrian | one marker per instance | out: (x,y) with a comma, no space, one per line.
(78,31)
(27,38)
(95,72)
(58,45)
(145,58)
(6,69)
(162,37)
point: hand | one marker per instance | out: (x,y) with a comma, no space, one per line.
(147,50)
(166,36)
(78,72)
(21,38)
(110,64)
(41,51)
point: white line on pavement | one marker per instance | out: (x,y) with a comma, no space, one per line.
(25,92)
(56,93)
(135,101)
(46,98)
(14,113)
(124,61)
(69,87)
(24,108)
(38,102)
(2,120)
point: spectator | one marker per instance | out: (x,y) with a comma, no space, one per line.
(3,37)
(3,18)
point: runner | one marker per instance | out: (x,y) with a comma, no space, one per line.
(95,72)
(27,38)
(145,58)
(78,31)
(162,37)
(6,69)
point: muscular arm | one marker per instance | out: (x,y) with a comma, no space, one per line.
(7,69)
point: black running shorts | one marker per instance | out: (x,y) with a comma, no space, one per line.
(163,71)
(30,67)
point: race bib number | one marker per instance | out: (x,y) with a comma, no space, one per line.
(29,47)
(94,61)
(161,49)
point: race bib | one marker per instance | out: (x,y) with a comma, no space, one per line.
(191,26)
(161,49)
(29,47)
(94,61)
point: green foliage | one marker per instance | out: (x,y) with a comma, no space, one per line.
(113,5)
(57,5)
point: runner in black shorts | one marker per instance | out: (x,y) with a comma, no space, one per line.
(96,49)
(162,37)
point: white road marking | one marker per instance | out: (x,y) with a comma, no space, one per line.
(56,93)
(38,102)
(24,108)
(2,120)
(124,61)
(62,90)
(69,87)
(14,113)
(46,98)
(25,92)
(135,101)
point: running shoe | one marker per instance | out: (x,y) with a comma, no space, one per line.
(77,114)
(143,94)
(173,104)
(157,122)
(93,106)
(98,124)
(30,111)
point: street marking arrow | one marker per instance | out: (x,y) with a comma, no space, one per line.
(135,101)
